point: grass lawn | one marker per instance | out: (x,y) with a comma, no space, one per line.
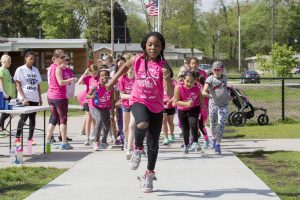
(279,170)
(262,132)
(44,87)
(19,182)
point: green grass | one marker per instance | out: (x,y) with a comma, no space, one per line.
(19,182)
(44,87)
(279,170)
(262,132)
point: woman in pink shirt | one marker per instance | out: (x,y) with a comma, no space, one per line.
(188,98)
(57,98)
(147,101)
(102,109)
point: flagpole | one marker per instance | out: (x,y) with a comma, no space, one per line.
(158,16)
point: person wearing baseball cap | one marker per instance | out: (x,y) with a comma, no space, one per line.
(215,88)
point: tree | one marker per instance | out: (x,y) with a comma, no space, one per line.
(120,27)
(60,19)
(137,28)
(18,18)
(281,61)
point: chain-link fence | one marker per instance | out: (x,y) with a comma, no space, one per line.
(281,97)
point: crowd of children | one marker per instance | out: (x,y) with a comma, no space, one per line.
(139,94)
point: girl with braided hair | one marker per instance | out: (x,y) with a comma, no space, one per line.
(146,101)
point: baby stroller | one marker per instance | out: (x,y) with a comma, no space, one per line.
(245,110)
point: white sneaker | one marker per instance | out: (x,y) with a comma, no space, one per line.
(87,142)
(96,146)
(128,155)
(92,137)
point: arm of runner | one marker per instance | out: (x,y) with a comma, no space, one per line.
(123,70)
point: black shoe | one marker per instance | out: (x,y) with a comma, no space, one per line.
(52,140)
(68,139)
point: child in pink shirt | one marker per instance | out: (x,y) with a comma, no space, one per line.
(102,109)
(90,79)
(126,83)
(201,77)
(188,98)
(169,110)
(147,101)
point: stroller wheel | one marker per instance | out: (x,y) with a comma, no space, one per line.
(238,119)
(263,119)
(229,118)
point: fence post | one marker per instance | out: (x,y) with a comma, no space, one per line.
(282,100)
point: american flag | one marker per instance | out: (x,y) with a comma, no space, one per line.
(152,8)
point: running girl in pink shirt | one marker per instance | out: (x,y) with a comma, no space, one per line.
(169,110)
(126,83)
(102,109)
(188,98)
(147,101)
(201,77)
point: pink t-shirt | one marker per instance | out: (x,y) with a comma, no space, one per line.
(148,86)
(186,94)
(125,86)
(70,88)
(105,98)
(90,82)
(168,100)
(55,91)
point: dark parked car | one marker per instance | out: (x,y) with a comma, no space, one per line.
(250,77)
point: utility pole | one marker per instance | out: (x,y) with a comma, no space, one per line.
(218,34)
(125,35)
(239,32)
(273,15)
(112,27)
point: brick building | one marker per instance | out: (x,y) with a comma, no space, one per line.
(77,49)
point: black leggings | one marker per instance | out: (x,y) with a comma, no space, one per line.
(142,114)
(4,116)
(189,122)
(23,119)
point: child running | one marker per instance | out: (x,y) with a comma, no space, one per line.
(188,97)
(102,109)
(126,83)
(201,77)
(216,84)
(147,101)
(169,109)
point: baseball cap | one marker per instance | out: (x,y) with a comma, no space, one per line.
(217,65)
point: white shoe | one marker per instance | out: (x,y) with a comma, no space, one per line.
(92,137)
(96,146)
(87,142)
(128,155)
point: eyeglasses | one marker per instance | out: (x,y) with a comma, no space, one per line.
(217,69)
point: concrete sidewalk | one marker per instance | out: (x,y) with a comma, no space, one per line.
(106,175)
